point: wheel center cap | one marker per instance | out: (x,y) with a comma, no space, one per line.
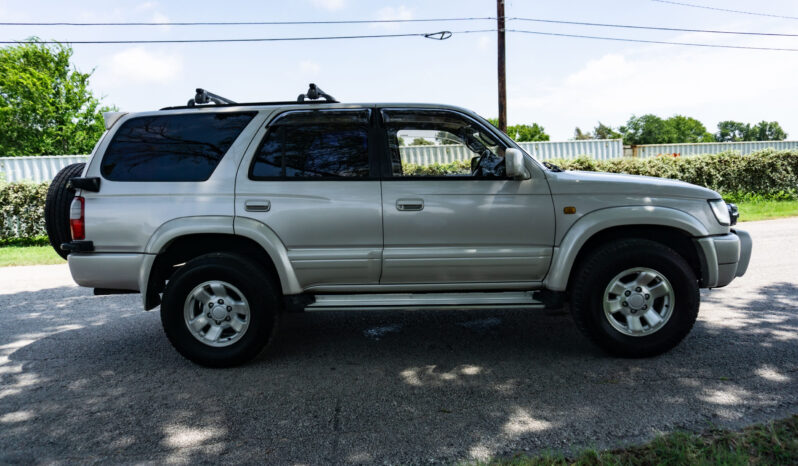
(636,301)
(218,312)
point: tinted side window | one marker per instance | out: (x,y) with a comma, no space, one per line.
(172,147)
(314,144)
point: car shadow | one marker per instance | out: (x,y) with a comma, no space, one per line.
(93,379)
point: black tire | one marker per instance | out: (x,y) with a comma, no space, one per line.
(255,285)
(602,265)
(56,207)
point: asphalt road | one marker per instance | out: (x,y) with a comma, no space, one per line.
(93,379)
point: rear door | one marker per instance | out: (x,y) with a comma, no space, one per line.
(312,179)
(452,218)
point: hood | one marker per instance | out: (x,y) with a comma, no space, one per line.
(597,183)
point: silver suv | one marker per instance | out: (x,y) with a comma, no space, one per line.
(228,215)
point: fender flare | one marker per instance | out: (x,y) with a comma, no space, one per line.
(582,230)
(247,228)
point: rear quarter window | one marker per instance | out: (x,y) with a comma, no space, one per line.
(172,147)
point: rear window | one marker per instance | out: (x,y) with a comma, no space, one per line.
(172,147)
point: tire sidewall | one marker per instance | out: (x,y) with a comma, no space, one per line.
(682,279)
(263,312)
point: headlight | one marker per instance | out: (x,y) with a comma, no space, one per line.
(721,211)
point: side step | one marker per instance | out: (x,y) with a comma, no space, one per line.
(475,300)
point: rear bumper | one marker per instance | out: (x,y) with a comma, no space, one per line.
(724,257)
(120,271)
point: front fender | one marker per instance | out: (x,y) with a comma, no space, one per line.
(582,230)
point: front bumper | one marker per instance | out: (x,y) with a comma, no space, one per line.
(724,257)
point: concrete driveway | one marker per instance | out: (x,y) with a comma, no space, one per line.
(93,379)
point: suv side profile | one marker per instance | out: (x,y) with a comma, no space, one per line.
(229,215)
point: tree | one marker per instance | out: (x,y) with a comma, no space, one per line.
(523,133)
(767,131)
(603,131)
(421,142)
(651,129)
(646,129)
(46,106)
(580,136)
(731,131)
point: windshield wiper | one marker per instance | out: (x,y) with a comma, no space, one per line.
(552,167)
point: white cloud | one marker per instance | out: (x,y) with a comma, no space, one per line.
(309,68)
(141,66)
(707,84)
(331,5)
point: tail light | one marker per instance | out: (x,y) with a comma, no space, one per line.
(77,223)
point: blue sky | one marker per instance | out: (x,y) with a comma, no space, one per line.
(559,83)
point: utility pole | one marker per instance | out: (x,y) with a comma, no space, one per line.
(502,81)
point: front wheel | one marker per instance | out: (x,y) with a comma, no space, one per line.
(635,297)
(220,310)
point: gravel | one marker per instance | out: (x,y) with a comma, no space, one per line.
(92,379)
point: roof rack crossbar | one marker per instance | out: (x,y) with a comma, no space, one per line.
(205,97)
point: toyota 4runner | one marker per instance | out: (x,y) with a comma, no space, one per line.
(228,215)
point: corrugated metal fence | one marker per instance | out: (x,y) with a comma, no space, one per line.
(684,150)
(44,168)
(601,149)
(39,168)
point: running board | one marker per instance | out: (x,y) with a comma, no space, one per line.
(504,300)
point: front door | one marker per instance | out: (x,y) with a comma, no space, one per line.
(451,216)
(310,178)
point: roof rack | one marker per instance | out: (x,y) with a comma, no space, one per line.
(204,97)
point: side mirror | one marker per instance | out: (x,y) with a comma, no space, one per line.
(514,163)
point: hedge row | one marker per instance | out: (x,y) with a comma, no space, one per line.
(767,173)
(22,209)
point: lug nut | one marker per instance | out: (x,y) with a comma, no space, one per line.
(221,301)
(229,308)
(638,289)
(634,311)
(210,304)
(209,314)
(624,304)
(627,293)
(648,296)
(227,318)
(645,307)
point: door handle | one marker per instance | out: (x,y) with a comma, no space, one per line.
(410,205)
(257,206)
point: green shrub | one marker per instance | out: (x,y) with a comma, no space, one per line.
(765,174)
(22,209)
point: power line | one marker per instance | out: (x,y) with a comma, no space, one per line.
(245,23)
(727,10)
(622,39)
(441,35)
(655,28)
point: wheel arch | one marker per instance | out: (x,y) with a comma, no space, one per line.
(671,227)
(187,239)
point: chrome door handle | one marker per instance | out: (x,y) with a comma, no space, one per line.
(410,205)
(257,206)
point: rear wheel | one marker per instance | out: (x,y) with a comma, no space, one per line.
(635,298)
(220,310)
(56,207)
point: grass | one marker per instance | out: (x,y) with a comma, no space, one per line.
(772,443)
(28,255)
(766,209)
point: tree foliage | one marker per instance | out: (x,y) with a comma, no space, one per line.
(523,133)
(651,129)
(733,131)
(46,106)
(603,131)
